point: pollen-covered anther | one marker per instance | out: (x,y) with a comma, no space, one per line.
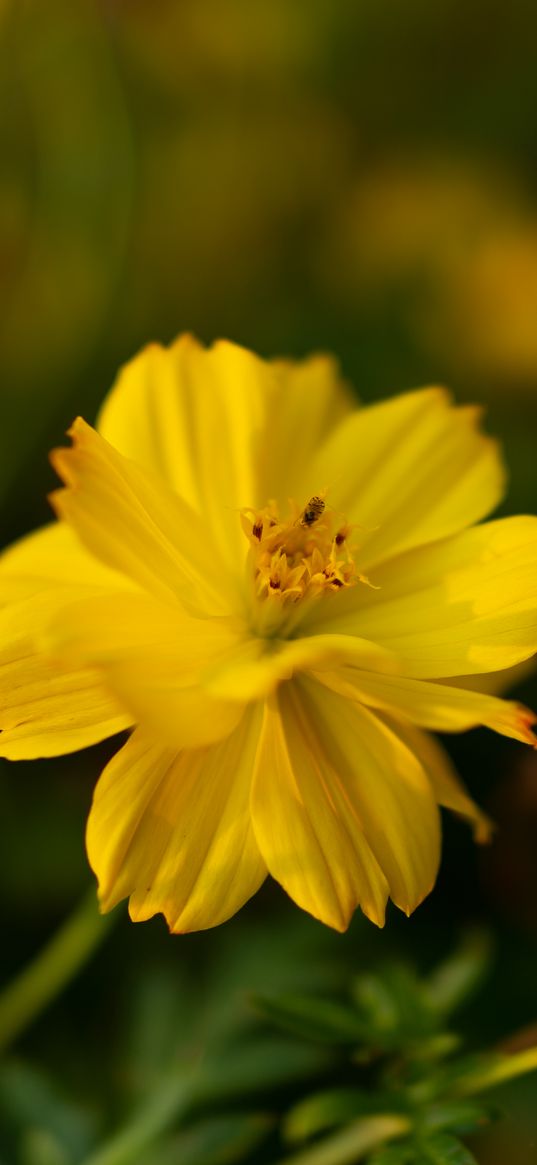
(292,558)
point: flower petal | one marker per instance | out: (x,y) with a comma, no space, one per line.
(47,709)
(153,656)
(409,471)
(223,428)
(135,525)
(253,669)
(433,705)
(49,557)
(448,789)
(496,683)
(337,824)
(312,399)
(462,606)
(174,832)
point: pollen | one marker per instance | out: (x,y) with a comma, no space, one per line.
(305,554)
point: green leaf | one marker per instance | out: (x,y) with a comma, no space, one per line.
(162,1012)
(459,1116)
(224,1140)
(320,1020)
(403,1153)
(454,980)
(438,1150)
(443,1149)
(40,1147)
(394,1009)
(353,1142)
(465,1076)
(336,1106)
(29,1101)
(376,1002)
(451,1079)
(256,1067)
(492,1069)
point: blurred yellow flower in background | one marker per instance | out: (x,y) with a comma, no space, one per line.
(458,243)
(278,593)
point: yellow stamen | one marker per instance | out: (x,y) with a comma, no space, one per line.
(292,559)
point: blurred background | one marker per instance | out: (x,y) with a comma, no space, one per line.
(319,174)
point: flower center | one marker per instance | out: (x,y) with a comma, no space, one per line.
(301,556)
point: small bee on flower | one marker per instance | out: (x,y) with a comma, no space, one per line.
(313,511)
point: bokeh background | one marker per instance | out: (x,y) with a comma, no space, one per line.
(293,175)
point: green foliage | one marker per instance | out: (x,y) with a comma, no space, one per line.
(436,1150)
(38,1122)
(319,1020)
(365,1071)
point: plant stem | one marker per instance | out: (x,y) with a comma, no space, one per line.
(59,961)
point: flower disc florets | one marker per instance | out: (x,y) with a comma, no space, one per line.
(298,557)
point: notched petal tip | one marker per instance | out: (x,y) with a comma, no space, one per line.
(526,719)
(62,458)
(56,499)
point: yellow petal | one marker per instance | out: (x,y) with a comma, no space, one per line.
(448,789)
(388,788)
(312,399)
(136,525)
(225,429)
(496,683)
(433,705)
(465,605)
(51,556)
(340,825)
(47,709)
(153,656)
(409,471)
(309,836)
(174,832)
(253,669)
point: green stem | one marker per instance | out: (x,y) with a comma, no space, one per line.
(60,960)
(351,1143)
(161,1110)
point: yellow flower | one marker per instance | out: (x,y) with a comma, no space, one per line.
(279,592)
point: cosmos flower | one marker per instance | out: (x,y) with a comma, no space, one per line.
(279,593)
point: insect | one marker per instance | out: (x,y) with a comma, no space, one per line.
(312,512)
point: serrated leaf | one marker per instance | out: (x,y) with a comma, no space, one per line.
(319,1020)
